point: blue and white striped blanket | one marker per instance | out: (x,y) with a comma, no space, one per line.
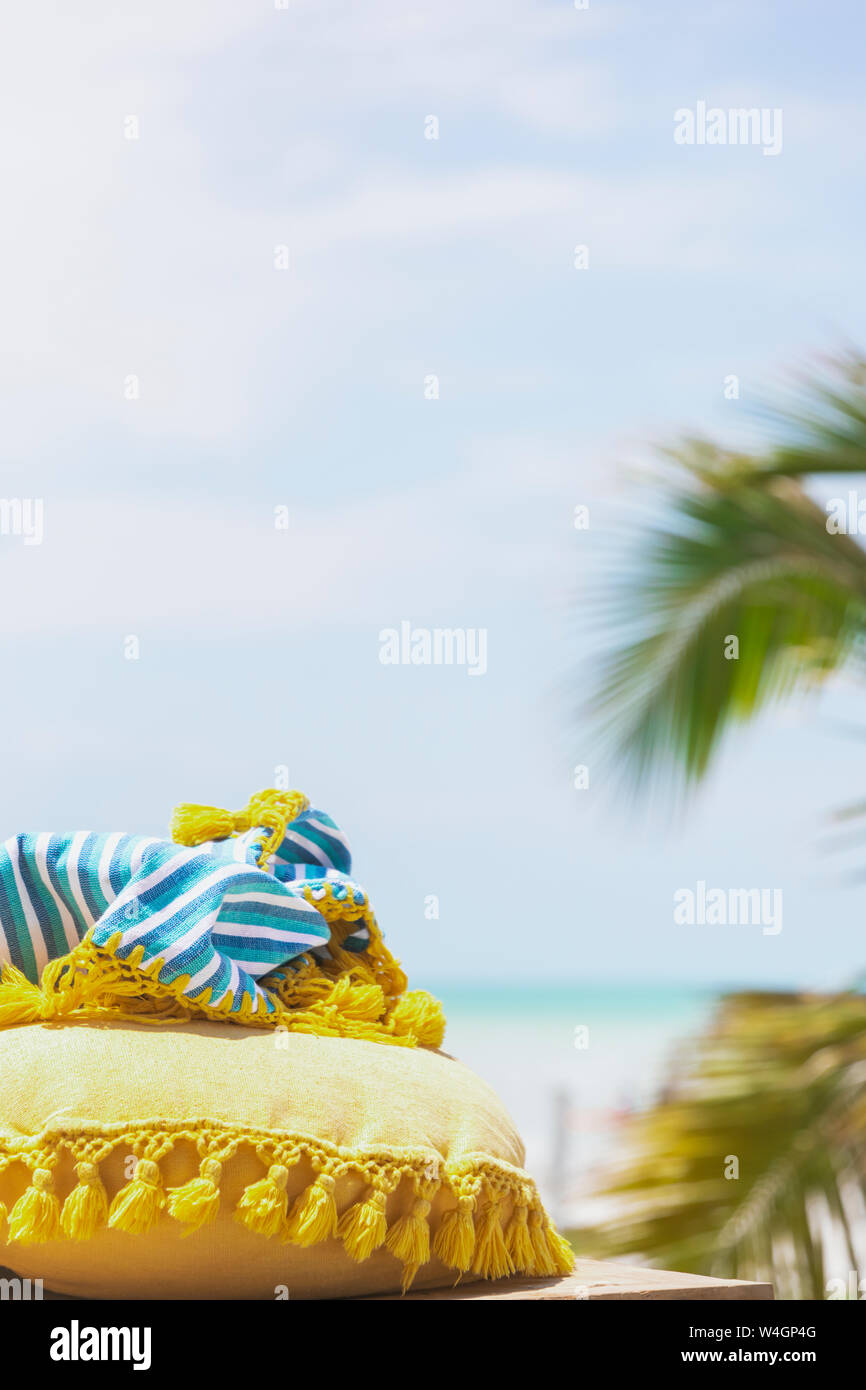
(210,920)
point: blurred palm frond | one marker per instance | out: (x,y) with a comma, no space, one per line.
(740,596)
(753,1165)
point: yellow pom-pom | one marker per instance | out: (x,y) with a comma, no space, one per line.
(363,1227)
(313,1218)
(86,1207)
(35,1217)
(137,1206)
(195,825)
(418,1014)
(20,1000)
(356,999)
(197,1203)
(262,1208)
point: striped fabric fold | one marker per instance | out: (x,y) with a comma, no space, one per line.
(213,919)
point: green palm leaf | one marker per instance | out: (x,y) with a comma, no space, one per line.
(822,425)
(779,1082)
(738,598)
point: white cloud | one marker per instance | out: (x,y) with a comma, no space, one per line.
(199,564)
(155,257)
(187,298)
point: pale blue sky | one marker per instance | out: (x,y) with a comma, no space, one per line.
(305,127)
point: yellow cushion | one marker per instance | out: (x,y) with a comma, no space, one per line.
(202,1161)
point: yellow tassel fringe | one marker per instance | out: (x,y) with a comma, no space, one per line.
(35,1217)
(20,1001)
(196,825)
(92,983)
(560,1251)
(552,1255)
(409,1240)
(492,1259)
(197,1203)
(262,1208)
(455,1240)
(342,994)
(313,1218)
(86,1207)
(518,1242)
(137,1206)
(496,1226)
(363,1228)
(356,996)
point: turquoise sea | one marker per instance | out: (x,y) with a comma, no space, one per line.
(571,1062)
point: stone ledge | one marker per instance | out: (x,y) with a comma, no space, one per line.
(601,1279)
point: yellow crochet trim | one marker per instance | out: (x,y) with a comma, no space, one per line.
(498,1225)
(353,998)
(343,994)
(271,809)
(192,824)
